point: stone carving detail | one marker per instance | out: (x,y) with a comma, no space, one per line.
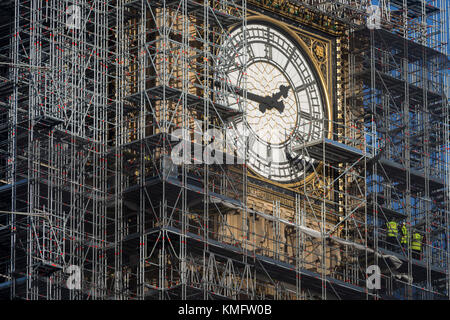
(318,50)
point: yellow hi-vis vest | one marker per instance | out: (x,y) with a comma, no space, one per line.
(404,238)
(416,243)
(392,230)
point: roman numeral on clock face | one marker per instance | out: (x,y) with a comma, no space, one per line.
(305,86)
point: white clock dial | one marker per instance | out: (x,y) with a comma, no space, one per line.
(284,102)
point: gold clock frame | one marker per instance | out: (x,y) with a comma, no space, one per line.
(326,85)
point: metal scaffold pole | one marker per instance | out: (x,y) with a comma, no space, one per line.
(125,157)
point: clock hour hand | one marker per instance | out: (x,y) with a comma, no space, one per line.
(273,101)
(284,90)
(270,103)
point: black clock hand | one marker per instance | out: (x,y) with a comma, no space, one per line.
(279,105)
(274,103)
(284,90)
(256,98)
(251,96)
(265,102)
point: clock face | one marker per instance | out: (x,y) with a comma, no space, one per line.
(284,105)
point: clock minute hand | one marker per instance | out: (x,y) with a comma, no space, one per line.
(251,96)
(264,102)
(257,98)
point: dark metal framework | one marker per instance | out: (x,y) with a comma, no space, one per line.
(90,118)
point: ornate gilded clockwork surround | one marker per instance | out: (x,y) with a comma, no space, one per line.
(274,127)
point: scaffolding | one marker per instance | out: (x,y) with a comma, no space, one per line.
(108,111)
(400,76)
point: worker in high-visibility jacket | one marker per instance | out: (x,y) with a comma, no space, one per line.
(416,245)
(391,234)
(405,235)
